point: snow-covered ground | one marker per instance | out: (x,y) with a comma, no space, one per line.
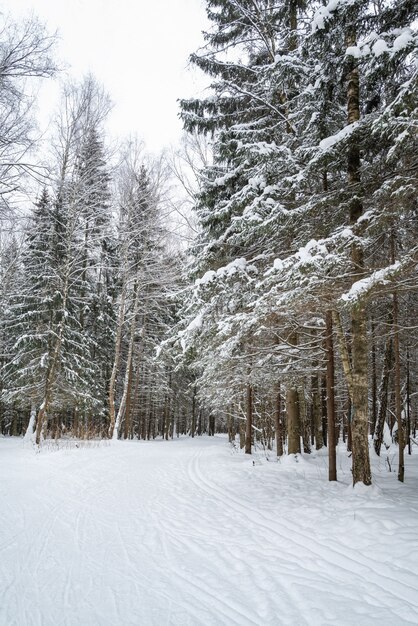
(189,532)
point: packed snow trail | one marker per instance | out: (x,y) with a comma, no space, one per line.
(188,532)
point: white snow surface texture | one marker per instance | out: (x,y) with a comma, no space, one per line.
(190,532)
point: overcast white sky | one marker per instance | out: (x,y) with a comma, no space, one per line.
(137,48)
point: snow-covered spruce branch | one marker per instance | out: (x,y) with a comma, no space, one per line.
(383,280)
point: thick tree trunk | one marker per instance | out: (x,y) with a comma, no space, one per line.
(360,425)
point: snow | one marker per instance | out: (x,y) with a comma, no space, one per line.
(366,217)
(361,287)
(344,133)
(232,267)
(278,265)
(403,40)
(353,51)
(304,254)
(380,47)
(237,265)
(196,323)
(324,13)
(206,278)
(190,532)
(257,182)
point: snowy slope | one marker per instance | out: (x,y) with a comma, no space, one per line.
(189,532)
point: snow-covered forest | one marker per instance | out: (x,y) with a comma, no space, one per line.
(245,302)
(259,280)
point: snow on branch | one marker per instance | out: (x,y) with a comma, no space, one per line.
(239,265)
(379,278)
(344,133)
(323,14)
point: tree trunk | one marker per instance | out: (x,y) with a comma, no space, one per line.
(53,366)
(278,423)
(128,408)
(383,397)
(408,401)
(374,382)
(332,457)
(31,424)
(126,382)
(293,421)
(304,421)
(193,425)
(316,413)
(249,422)
(199,423)
(292,411)
(396,349)
(360,425)
(323,399)
(349,420)
(398,404)
(116,361)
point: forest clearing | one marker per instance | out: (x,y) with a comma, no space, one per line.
(191,532)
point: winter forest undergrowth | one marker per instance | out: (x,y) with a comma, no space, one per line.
(255,287)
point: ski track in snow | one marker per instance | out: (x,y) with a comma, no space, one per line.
(188,533)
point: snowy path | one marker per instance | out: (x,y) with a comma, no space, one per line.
(188,533)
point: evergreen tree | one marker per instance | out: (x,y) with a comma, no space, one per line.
(46,367)
(307,120)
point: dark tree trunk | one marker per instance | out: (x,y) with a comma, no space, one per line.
(332,458)
(293,412)
(383,396)
(324,410)
(278,423)
(408,401)
(374,382)
(316,413)
(293,421)
(249,422)
(193,425)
